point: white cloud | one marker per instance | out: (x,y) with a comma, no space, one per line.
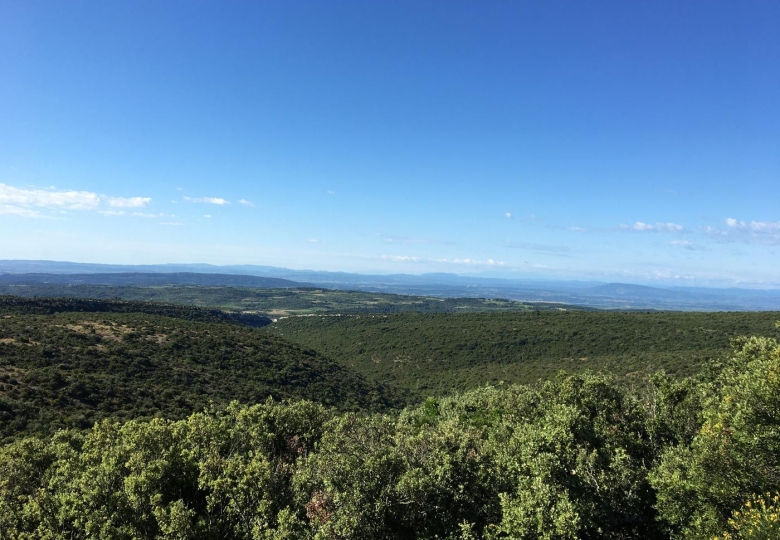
(208,200)
(687,244)
(735,224)
(713,231)
(313,241)
(489,262)
(26,202)
(400,258)
(508,215)
(329,192)
(770,227)
(759,232)
(669,227)
(48,198)
(246,203)
(756,226)
(641,226)
(464,262)
(128,202)
(207,216)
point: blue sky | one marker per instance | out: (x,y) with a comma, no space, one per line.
(595,140)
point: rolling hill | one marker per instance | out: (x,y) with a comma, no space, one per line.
(68,368)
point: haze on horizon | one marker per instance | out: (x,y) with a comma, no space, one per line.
(602,140)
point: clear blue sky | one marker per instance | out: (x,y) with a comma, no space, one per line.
(631,141)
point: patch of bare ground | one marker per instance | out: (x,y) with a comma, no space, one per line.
(9,372)
(105,331)
(160,339)
(14,341)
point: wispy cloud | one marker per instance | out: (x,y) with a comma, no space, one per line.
(246,203)
(520,219)
(10,210)
(685,244)
(330,192)
(470,262)
(758,232)
(457,261)
(758,227)
(641,226)
(207,200)
(401,258)
(30,202)
(115,213)
(128,202)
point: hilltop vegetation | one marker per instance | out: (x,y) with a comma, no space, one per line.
(579,457)
(433,354)
(62,367)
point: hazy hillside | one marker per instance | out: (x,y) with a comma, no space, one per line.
(438,353)
(277,302)
(68,369)
(622,296)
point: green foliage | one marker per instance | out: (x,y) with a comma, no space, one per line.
(579,457)
(759,519)
(70,369)
(433,354)
(576,457)
(486,464)
(220,474)
(734,453)
(46,306)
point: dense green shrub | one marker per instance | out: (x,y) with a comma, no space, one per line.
(735,453)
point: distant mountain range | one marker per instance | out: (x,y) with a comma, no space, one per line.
(586,293)
(148,279)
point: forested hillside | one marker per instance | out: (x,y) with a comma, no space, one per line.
(433,354)
(71,368)
(578,458)
(13,304)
